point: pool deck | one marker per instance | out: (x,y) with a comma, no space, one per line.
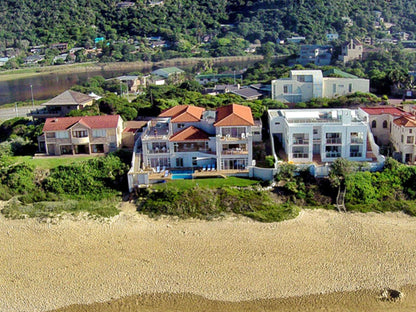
(201,174)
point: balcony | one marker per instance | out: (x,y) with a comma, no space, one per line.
(158,151)
(235,151)
(333,141)
(301,142)
(300,155)
(357,141)
(229,137)
(82,140)
(333,154)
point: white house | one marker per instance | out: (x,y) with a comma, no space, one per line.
(187,136)
(322,135)
(303,85)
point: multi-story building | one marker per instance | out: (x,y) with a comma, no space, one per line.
(322,135)
(303,85)
(403,138)
(380,120)
(352,50)
(186,136)
(82,135)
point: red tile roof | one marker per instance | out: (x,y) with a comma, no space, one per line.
(190,134)
(93,122)
(405,121)
(183,113)
(383,110)
(234,115)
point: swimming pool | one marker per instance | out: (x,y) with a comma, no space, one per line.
(181,174)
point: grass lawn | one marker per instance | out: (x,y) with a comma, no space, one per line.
(49,163)
(210,183)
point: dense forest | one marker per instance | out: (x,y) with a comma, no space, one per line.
(188,22)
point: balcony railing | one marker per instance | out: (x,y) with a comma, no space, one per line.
(333,141)
(357,140)
(356,154)
(235,151)
(300,155)
(301,142)
(158,151)
(82,140)
(333,154)
(228,137)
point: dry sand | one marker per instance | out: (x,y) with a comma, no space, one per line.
(46,266)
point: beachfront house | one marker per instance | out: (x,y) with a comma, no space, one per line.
(322,135)
(187,136)
(82,135)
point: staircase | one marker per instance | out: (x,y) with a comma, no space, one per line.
(341,198)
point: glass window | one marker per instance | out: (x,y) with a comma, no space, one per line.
(374,124)
(385,124)
(409,140)
(62,135)
(99,133)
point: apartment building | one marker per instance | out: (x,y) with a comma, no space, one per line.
(303,85)
(187,136)
(321,135)
(82,135)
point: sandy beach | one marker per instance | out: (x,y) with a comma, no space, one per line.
(50,265)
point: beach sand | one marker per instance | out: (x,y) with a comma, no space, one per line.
(50,265)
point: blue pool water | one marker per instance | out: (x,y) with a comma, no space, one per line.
(181,174)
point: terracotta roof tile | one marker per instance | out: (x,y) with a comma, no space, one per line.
(383,110)
(234,115)
(183,113)
(406,121)
(93,122)
(190,134)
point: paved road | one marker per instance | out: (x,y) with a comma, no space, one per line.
(9,113)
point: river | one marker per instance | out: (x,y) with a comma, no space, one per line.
(46,86)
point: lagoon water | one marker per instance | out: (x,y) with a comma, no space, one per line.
(49,85)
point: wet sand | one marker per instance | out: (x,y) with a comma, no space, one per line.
(50,265)
(357,301)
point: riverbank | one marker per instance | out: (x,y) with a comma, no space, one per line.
(53,264)
(130,66)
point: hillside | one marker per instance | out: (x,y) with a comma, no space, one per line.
(187,22)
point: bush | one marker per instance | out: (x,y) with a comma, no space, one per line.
(202,202)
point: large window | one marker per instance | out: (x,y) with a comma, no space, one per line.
(333,151)
(62,135)
(333,138)
(409,140)
(99,133)
(357,137)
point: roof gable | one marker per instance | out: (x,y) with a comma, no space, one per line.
(234,115)
(92,122)
(69,97)
(183,113)
(190,134)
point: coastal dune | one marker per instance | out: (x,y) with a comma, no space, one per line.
(60,262)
